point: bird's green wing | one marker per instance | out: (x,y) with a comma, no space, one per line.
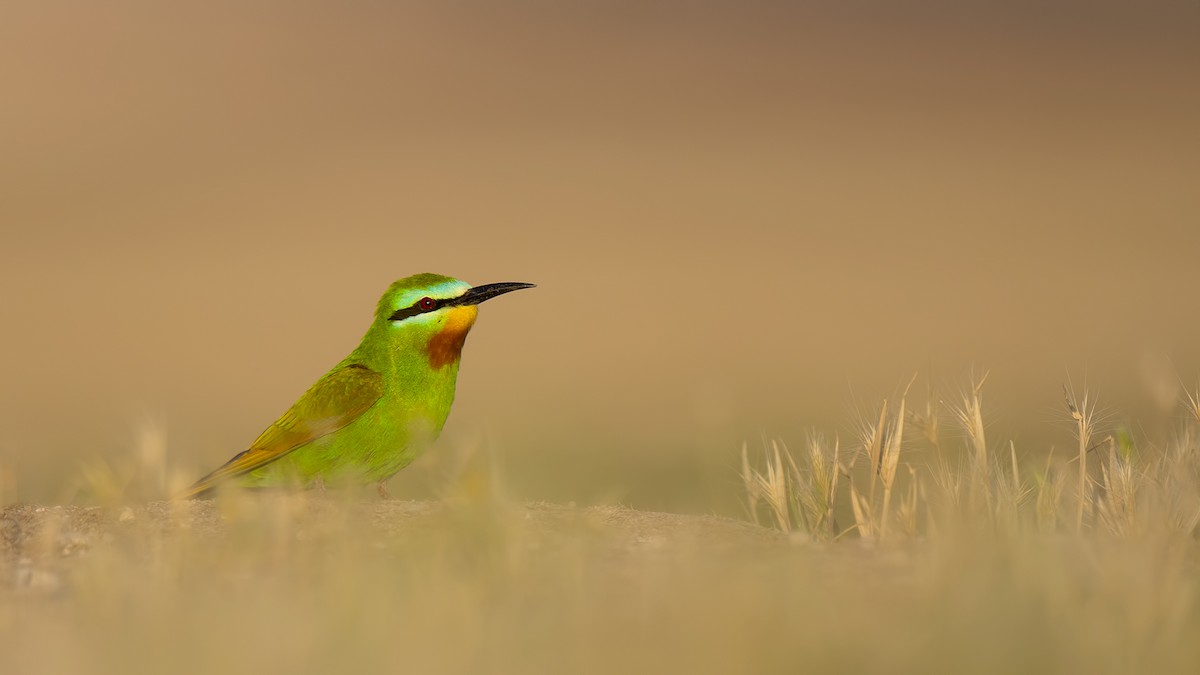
(333,402)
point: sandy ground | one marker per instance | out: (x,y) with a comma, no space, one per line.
(39,544)
(308,583)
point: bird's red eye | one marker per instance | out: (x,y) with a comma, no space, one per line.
(427,304)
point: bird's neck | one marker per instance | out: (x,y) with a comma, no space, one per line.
(444,347)
(418,356)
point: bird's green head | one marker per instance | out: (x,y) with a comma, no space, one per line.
(434,313)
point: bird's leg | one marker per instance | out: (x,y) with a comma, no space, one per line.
(383,491)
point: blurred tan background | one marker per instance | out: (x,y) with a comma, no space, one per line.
(746,219)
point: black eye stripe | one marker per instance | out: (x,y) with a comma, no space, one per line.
(416,308)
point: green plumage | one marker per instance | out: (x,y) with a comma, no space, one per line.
(382,406)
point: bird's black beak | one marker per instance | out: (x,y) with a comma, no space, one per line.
(486,292)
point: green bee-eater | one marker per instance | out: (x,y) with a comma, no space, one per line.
(378,409)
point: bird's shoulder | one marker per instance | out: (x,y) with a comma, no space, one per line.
(346,391)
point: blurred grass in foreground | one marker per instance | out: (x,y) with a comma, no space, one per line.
(983,565)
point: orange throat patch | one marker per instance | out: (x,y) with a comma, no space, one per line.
(445,347)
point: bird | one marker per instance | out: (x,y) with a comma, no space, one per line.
(378,409)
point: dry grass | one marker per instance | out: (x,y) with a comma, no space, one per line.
(1082,564)
(1119,487)
(911,549)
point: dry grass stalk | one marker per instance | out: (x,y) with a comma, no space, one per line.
(864,521)
(816,486)
(1009,494)
(769,486)
(908,511)
(873,442)
(1083,413)
(881,444)
(1117,503)
(928,422)
(1049,487)
(889,461)
(1191,403)
(797,495)
(969,415)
